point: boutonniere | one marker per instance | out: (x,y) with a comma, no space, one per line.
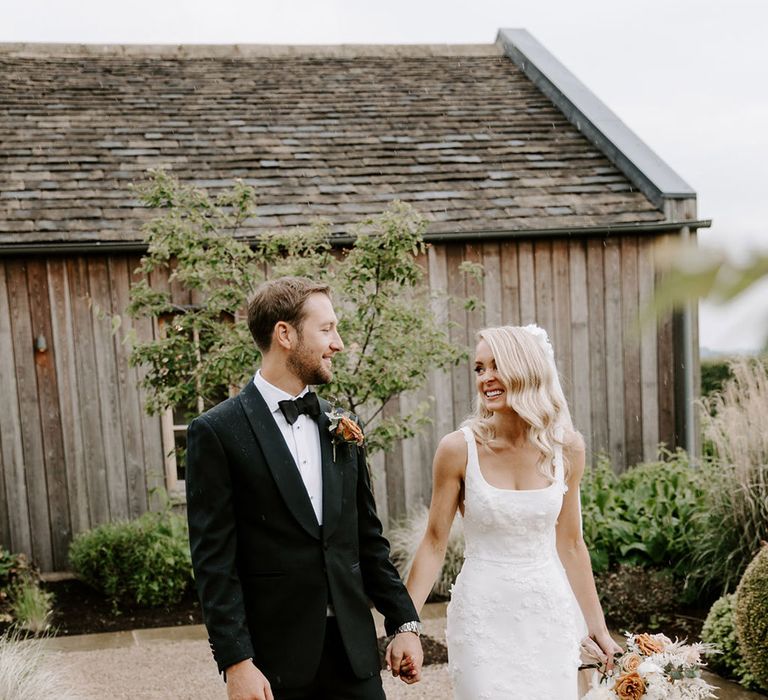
(344,429)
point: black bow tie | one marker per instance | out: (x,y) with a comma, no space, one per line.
(293,408)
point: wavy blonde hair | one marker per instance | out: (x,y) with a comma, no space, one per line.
(525,366)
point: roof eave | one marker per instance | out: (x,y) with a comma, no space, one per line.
(602,127)
(340,240)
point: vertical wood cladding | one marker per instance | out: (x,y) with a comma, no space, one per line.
(77,448)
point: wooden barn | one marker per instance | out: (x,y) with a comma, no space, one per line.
(513,162)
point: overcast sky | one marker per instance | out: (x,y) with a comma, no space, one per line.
(689,76)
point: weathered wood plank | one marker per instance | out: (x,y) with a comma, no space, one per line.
(394,468)
(561,308)
(597,346)
(69,405)
(649,388)
(461,387)
(440,384)
(475,317)
(416,450)
(492,285)
(127,388)
(15,508)
(581,397)
(614,356)
(106,368)
(88,390)
(50,414)
(544,285)
(152,441)
(23,334)
(633,409)
(510,286)
(527,283)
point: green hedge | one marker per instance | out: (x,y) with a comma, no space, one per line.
(751,617)
(643,517)
(144,561)
(719,629)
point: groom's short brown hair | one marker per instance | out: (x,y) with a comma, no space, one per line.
(281,299)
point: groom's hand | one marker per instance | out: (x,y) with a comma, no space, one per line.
(405,657)
(246,682)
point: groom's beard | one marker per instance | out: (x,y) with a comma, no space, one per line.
(307,366)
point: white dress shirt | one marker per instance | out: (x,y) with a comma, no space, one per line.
(302,439)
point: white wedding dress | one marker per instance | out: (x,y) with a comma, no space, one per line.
(514,627)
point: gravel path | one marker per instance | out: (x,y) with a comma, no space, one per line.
(185,670)
(164,670)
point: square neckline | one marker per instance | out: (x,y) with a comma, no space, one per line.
(469,435)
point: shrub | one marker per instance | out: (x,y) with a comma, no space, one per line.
(634,597)
(643,517)
(405,538)
(752,617)
(144,561)
(719,630)
(714,375)
(735,520)
(13,568)
(31,606)
(26,672)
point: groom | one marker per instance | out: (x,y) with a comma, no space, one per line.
(287,548)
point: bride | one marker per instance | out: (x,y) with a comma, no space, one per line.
(525,600)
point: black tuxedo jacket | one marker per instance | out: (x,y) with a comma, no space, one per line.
(265,570)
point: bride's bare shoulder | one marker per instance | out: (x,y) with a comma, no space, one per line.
(451,451)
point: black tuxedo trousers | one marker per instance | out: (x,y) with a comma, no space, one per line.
(265,570)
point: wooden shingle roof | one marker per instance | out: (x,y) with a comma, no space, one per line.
(459,132)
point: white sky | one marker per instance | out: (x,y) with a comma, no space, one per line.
(689,76)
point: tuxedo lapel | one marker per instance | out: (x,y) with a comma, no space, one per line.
(333,474)
(278,458)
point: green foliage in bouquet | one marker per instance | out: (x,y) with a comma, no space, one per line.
(644,516)
(752,617)
(144,561)
(720,631)
(394,337)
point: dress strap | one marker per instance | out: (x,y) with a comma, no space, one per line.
(472,458)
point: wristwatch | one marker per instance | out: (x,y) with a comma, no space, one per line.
(412,626)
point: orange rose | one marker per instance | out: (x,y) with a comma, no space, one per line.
(648,644)
(349,431)
(630,663)
(629,687)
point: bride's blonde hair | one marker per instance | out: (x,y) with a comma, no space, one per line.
(525,366)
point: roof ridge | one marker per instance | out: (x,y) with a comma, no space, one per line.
(47,50)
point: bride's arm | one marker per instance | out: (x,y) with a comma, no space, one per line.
(574,554)
(447,479)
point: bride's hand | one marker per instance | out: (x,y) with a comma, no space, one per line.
(602,647)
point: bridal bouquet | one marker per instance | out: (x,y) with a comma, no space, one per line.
(654,668)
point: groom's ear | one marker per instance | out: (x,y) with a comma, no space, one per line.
(283,335)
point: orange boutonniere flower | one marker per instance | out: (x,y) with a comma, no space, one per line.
(344,429)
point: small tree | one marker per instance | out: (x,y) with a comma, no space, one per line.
(393,339)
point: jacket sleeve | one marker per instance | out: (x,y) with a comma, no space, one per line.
(213,545)
(383,584)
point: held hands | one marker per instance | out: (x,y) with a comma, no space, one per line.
(405,657)
(246,682)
